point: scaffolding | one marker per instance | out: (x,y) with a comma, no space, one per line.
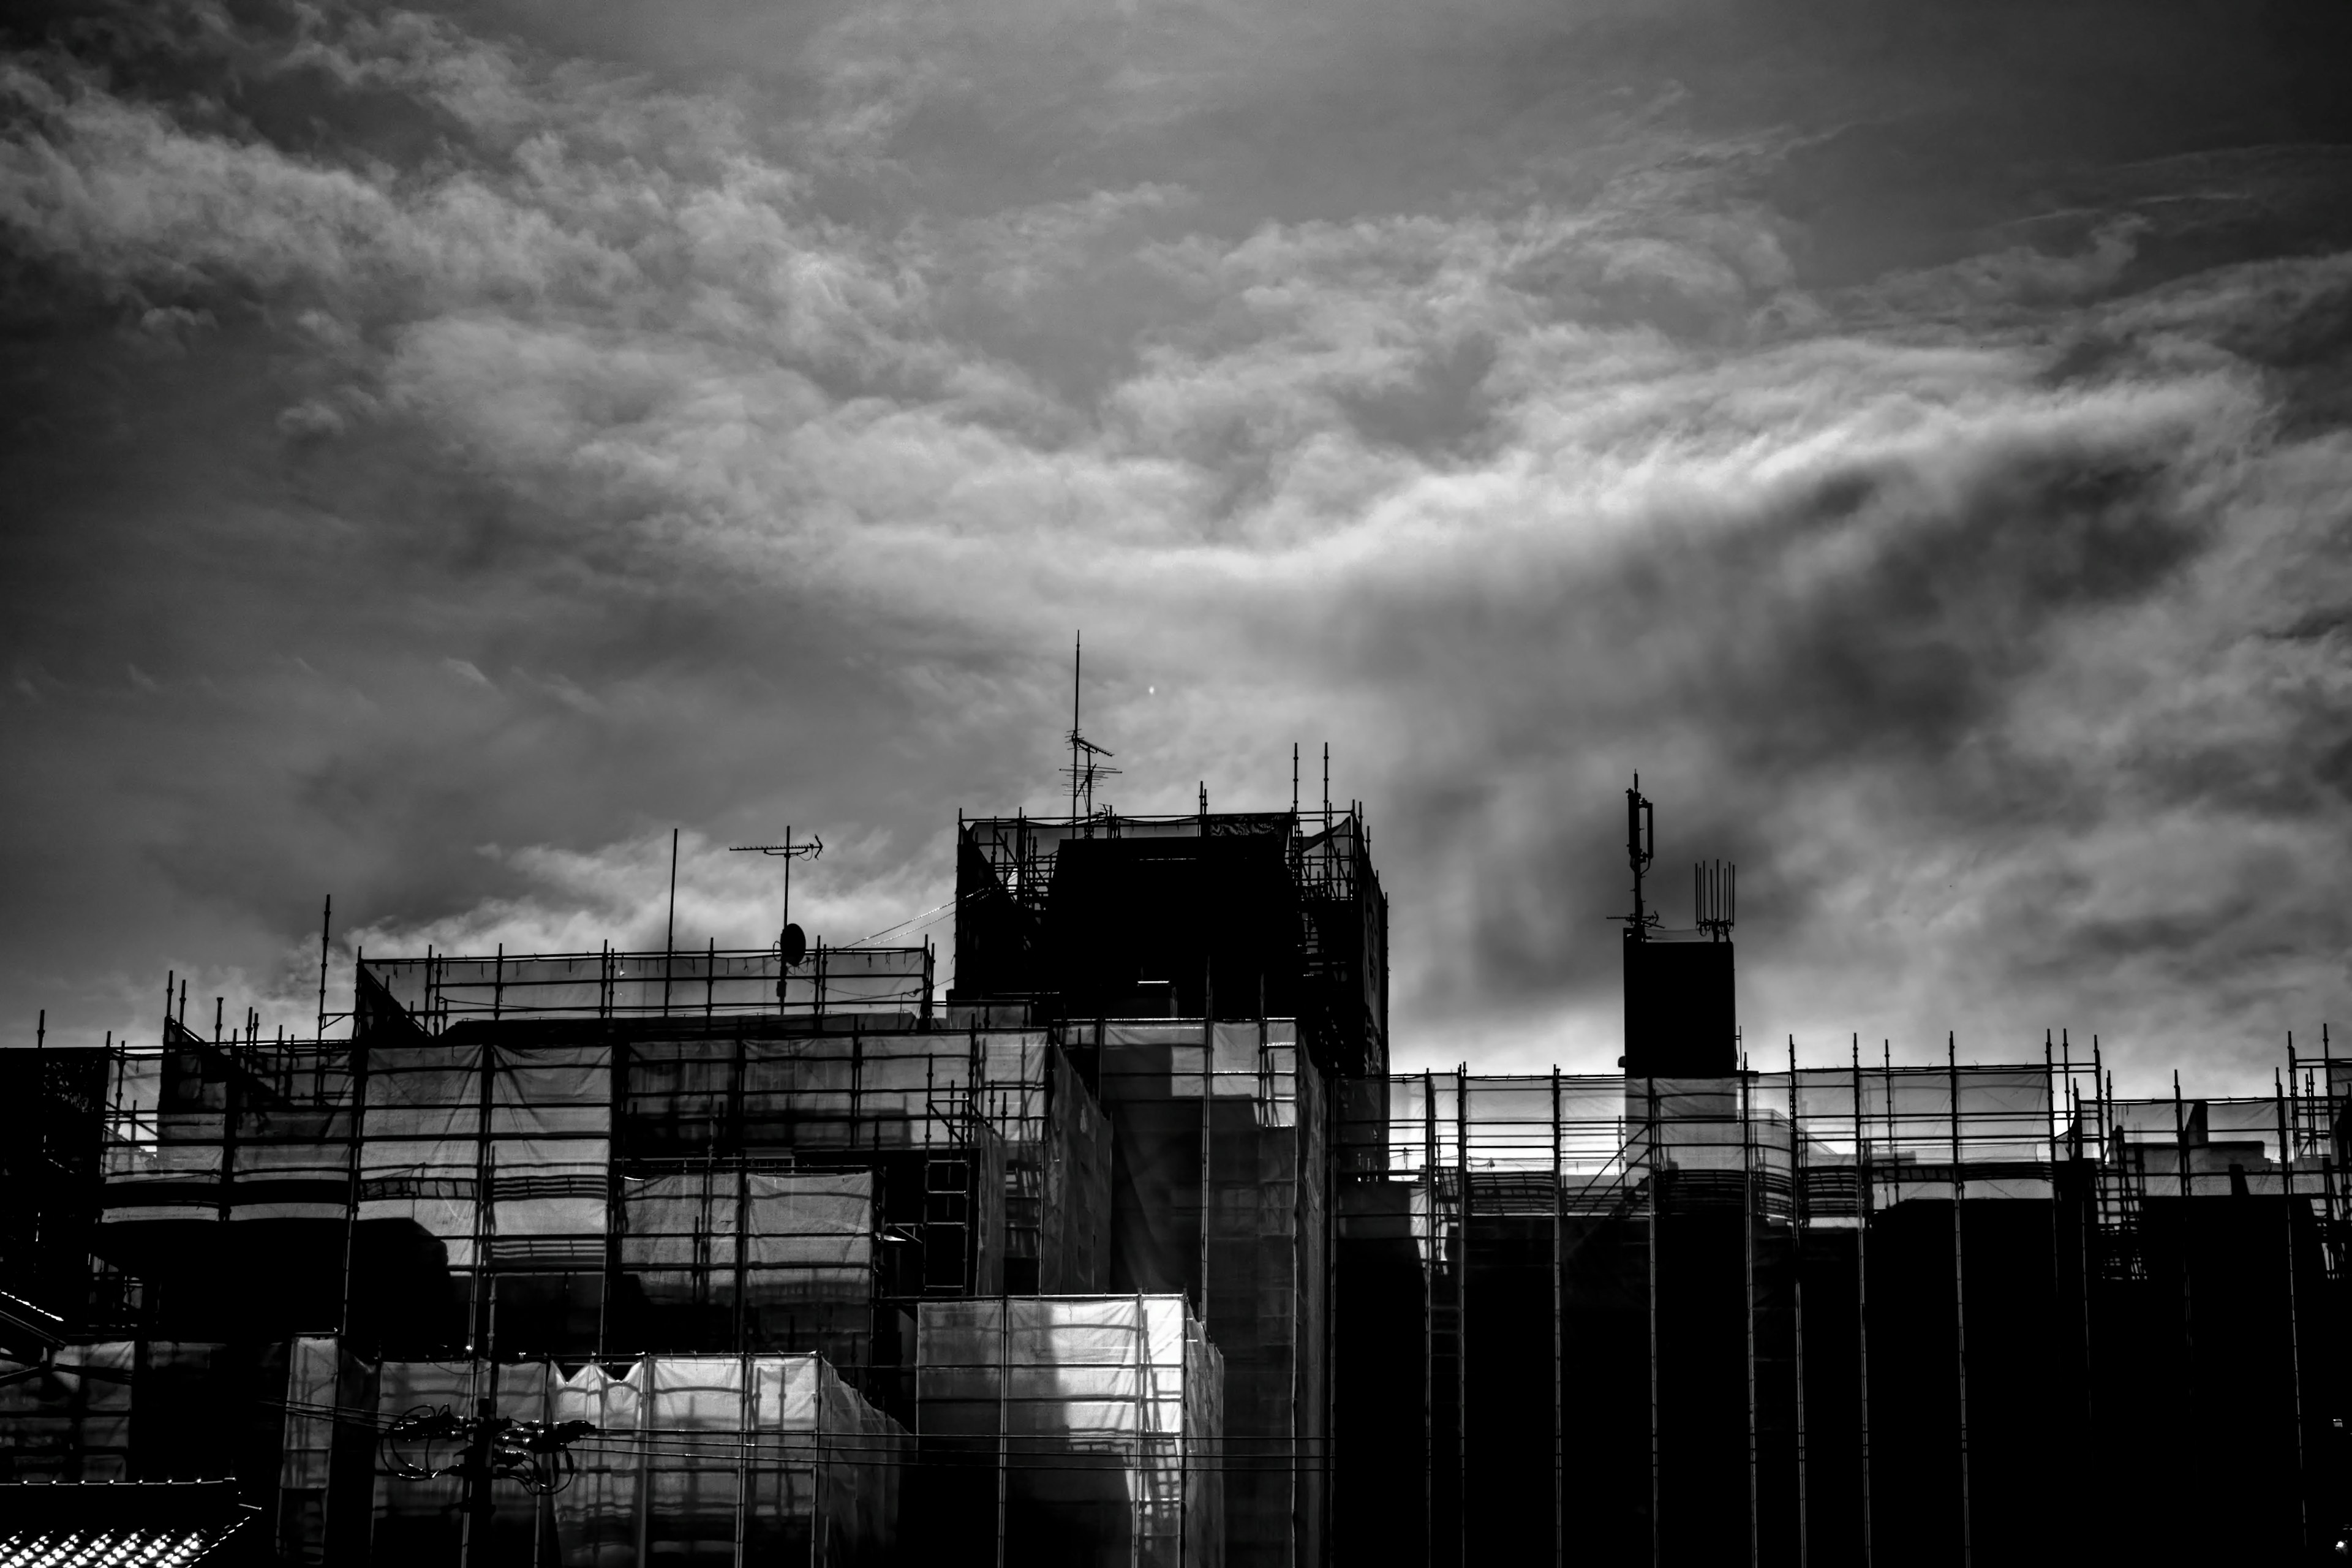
(66,1416)
(1219,1194)
(582,1187)
(1829,1315)
(1844,1314)
(1330,929)
(440,991)
(52,1106)
(694,1459)
(1076,1430)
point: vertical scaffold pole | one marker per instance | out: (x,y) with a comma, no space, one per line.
(2050,1082)
(1657,1470)
(641,1504)
(614,1190)
(2294,1088)
(2294,1321)
(746,1423)
(1797,1289)
(669,931)
(2329,1192)
(2087,1219)
(1428,1308)
(1959,1301)
(1208,1111)
(2094,1227)
(1004,1419)
(1748,1211)
(744,1366)
(326,929)
(1333,1179)
(1558,1352)
(485,1177)
(1462,1321)
(818,1552)
(1142,1453)
(1861,1196)
(356,1143)
(2188,1191)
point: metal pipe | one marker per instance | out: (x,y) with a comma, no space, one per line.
(1428,1303)
(1747,1277)
(1862,1287)
(1960,1302)
(1208,1108)
(326,925)
(670,930)
(2188,1281)
(1462,1319)
(1558,1352)
(1142,1454)
(2294,1321)
(1657,1522)
(1004,1419)
(1797,1221)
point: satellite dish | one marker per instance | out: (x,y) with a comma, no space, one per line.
(795,945)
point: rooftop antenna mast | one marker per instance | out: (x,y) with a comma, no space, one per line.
(1715,887)
(1640,849)
(1083,768)
(792,942)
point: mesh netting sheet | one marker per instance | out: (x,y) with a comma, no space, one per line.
(1107,1408)
(693,1456)
(805,1235)
(69,1419)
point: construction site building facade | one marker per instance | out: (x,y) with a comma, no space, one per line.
(1846,1315)
(1130,1248)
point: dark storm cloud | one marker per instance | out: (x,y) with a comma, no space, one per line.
(458,446)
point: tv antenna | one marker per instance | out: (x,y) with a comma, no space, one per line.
(792,942)
(1640,848)
(1083,770)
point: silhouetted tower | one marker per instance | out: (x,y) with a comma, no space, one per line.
(1680,1016)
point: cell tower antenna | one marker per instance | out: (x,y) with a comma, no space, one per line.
(1083,768)
(1715,887)
(1640,848)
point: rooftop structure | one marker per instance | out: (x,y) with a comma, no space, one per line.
(1228,915)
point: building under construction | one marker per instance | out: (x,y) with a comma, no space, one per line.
(1131,1248)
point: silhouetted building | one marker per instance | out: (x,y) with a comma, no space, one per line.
(1225,915)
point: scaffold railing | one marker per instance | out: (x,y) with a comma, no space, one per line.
(438,991)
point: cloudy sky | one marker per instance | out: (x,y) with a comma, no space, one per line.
(445,450)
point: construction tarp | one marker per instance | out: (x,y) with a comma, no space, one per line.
(692,1449)
(68,1418)
(533,1121)
(1103,1416)
(694,1457)
(1218,1161)
(805,1236)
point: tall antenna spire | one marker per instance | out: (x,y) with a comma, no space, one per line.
(1083,768)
